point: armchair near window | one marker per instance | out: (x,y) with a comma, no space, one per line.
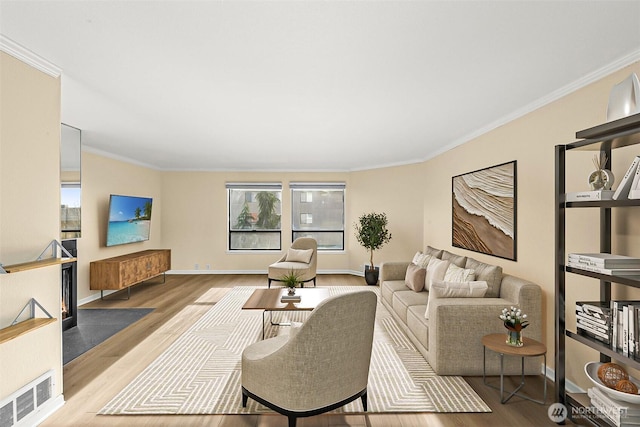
(320,366)
(301,258)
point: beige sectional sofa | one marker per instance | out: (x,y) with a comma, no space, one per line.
(450,339)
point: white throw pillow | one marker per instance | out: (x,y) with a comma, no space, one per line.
(440,289)
(435,271)
(299,255)
(459,274)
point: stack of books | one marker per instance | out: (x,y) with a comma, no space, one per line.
(593,320)
(290,298)
(615,324)
(620,414)
(615,265)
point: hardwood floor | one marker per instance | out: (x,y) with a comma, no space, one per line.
(92,379)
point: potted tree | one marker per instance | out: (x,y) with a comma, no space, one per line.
(372,233)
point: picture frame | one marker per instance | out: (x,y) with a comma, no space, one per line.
(484,210)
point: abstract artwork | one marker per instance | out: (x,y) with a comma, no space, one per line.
(484,211)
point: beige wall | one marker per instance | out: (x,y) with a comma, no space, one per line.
(29,217)
(530,140)
(101,177)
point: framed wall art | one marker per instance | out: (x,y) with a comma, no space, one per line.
(484,210)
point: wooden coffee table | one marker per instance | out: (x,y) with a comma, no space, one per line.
(268,300)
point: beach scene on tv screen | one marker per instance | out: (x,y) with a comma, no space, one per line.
(129,220)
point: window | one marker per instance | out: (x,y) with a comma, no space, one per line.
(255,211)
(317,211)
(69,210)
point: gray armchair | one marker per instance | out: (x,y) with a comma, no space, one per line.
(301,259)
(320,366)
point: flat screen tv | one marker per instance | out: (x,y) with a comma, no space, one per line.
(129,219)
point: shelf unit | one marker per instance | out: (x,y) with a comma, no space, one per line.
(604,138)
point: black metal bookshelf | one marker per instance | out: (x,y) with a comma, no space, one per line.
(604,138)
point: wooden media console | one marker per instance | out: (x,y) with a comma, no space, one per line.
(127,270)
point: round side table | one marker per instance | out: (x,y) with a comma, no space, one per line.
(531,348)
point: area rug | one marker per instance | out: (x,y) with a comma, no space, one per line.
(96,325)
(200,372)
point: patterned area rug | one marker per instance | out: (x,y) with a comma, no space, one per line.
(200,372)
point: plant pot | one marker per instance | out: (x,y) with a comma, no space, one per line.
(371,276)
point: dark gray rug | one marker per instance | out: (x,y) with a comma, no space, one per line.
(96,325)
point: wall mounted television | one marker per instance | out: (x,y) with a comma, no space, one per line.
(129,219)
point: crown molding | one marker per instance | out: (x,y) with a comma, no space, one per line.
(25,55)
(586,80)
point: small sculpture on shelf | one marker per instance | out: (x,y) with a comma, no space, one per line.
(601,178)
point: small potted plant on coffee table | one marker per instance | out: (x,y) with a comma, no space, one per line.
(291,281)
(372,233)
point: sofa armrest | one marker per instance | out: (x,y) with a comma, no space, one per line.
(460,323)
(395,270)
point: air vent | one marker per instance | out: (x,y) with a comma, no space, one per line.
(21,407)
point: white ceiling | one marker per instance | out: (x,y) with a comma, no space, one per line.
(313,85)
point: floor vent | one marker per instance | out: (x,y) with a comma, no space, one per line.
(22,407)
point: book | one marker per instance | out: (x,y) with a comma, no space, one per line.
(605,340)
(290,298)
(622,192)
(605,260)
(593,325)
(625,330)
(608,271)
(632,330)
(600,310)
(583,196)
(634,192)
(621,414)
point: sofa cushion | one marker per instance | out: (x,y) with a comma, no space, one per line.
(435,271)
(299,255)
(440,289)
(388,288)
(458,260)
(402,300)
(414,278)
(458,274)
(492,274)
(417,324)
(437,253)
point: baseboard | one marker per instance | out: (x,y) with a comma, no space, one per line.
(319,272)
(569,386)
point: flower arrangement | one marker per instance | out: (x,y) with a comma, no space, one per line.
(514,319)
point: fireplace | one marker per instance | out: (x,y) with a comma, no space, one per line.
(69,285)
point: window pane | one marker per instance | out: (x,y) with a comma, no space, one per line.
(247,240)
(254,218)
(70,211)
(254,209)
(324,207)
(327,240)
(319,213)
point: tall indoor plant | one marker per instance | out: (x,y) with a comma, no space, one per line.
(372,233)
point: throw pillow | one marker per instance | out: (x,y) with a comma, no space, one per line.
(440,289)
(414,278)
(458,260)
(435,271)
(299,255)
(421,259)
(457,274)
(492,274)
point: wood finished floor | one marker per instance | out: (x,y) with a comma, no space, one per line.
(92,379)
